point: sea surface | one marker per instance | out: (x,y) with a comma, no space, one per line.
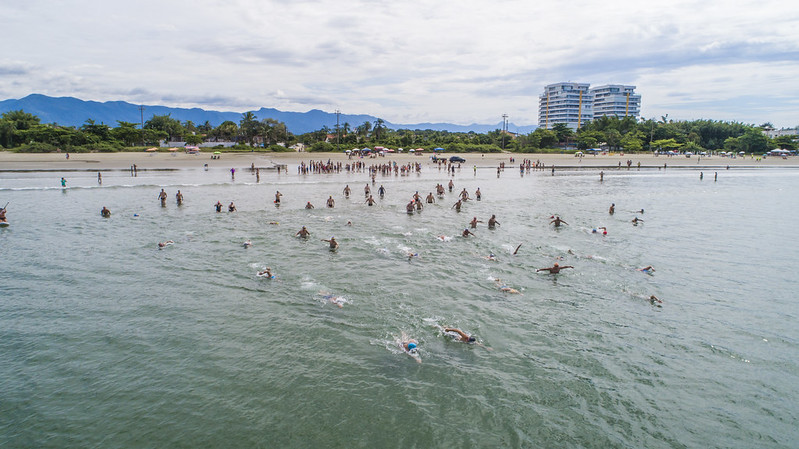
(108,341)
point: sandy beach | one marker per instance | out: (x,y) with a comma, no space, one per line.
(10,161)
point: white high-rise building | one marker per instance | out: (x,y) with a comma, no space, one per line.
(568,103)
(616,99)
(575,104)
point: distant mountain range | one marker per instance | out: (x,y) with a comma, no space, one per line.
(71,111)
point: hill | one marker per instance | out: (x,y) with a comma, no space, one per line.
(71,111)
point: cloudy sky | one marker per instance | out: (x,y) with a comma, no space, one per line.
(461,61)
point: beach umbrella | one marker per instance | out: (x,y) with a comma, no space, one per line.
(217,152)
(151,149)
(438,149)
(173,149)
(411,150)
(367,149)
(348,151)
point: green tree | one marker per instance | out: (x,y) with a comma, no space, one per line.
(563,132)
(172,127)
(193,139)
(631,143)
(249,126)
(127,133)
(378,130)
(784,142)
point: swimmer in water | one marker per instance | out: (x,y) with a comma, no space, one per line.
(231,207)
(637,220)
(466,233)
(555,268)
(491,257)
(410,346)
(277,196)
(267,273)
(332,241)
(612,209)
(504,288)
(105,213)
(218,206)
(370,201)
(331,202)
(335,299)
(302,233)
(457,206)
(517,249)
(247,244)
(647,269)
(347,191)
(492,222)
(349,223)
(462,336)
(165,244)
(596,230)
(430,198)
(308,205)
(655,301)
(557,222)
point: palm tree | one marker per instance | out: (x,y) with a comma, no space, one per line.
(249,126)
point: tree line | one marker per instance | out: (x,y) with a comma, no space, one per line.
(24,132)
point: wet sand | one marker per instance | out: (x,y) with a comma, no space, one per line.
(10,161)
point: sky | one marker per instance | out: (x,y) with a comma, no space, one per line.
(411,61)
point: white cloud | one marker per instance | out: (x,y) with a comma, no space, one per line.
(457,61)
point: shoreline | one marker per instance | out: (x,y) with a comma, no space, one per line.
(87,162)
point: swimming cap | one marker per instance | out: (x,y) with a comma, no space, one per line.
(411,346)
(471,339)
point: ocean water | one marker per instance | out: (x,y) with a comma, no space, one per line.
(107,341)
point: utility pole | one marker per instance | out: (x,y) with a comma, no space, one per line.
(338,131)
(141,110)
(504,129)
